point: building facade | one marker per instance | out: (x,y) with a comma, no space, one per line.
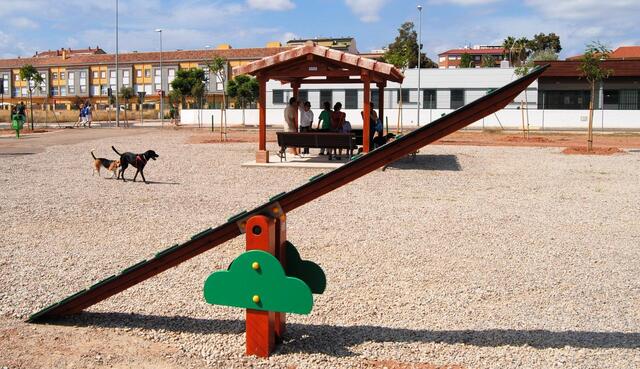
(451,59)
(70,76)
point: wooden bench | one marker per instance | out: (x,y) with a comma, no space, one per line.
(318,140)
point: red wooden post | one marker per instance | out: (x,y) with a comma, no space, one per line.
(295,86)
(381,87)
(260,325)
(367,113)
(281,241)
(262,156)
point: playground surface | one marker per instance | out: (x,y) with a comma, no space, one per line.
(468,257)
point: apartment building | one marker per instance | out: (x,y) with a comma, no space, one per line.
(450,59)
(87,74)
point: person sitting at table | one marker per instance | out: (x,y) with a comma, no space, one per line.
(337,122)
(324,121)
(290,113)
(306,120)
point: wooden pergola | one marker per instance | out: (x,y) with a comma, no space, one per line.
(314,64)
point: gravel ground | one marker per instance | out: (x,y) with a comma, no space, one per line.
(482,257)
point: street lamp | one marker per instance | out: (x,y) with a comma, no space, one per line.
(117,79)
(419,49)
(159,30)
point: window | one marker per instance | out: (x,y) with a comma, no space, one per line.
(442,58)
(629,99)
(278,96)
(103,74)
(44,76)
(83,74)
(429,98)
(71,76)
(95,90)
(63,91)
(83,89)
(148,89)
(138,73)
(457,99)
(125,73)
(23,91)
(83,81)
(375,97)
(72,90)
(17,76)
(477,57)
(147,73)
(303,95)
(569,100)
(16,92)
(326,96)
(157,78)
(62,75)
(158,87)
(104,90)
(54,76)
(54,91)
(451,57)
(351,99)
(95,74)
(406,94)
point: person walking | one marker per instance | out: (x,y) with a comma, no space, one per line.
(88,114)
(306,120)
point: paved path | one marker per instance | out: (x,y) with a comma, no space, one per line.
(38,142)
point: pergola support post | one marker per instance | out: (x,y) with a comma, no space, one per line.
(381,87)
(262,155)
(366,116)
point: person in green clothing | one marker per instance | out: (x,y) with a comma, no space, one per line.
(324,121)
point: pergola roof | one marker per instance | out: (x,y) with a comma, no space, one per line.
(312,63)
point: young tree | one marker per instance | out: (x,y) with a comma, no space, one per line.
(244,89)
(218,66)
(592,70)
(34,81)
(466,61)
(185,80)
(399,57)
(126,93)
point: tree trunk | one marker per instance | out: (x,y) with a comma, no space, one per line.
(591,106)
(31,107)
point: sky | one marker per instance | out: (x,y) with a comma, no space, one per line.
(30,25)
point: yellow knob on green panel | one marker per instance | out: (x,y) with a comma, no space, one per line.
(255,265)
(256,299)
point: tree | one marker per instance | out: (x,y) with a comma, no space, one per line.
(185,81)
(488,61)
(244,89)
(592,70)
(34,81)
(127,93)
(218,66)
(407,43)
(466,61)
(542,42)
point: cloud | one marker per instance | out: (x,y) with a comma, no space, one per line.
(288,36)
(22,22)
(242,283)
(464,2)
(277,5)
(368,11)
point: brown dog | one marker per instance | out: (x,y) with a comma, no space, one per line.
(110,165)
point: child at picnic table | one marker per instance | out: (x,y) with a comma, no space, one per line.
(324,121)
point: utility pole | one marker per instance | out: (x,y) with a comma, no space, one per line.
(159,30)
(419,57)
(117,79)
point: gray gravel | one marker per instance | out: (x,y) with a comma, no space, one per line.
(485,257)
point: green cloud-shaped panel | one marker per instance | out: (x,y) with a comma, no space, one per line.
(256,280)
(308,271)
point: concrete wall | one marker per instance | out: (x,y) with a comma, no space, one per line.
(506,118)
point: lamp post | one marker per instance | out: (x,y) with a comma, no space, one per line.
(159,30)
(419,49)
(117,79)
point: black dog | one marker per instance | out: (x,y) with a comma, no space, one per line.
(382,140)
(138,161)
